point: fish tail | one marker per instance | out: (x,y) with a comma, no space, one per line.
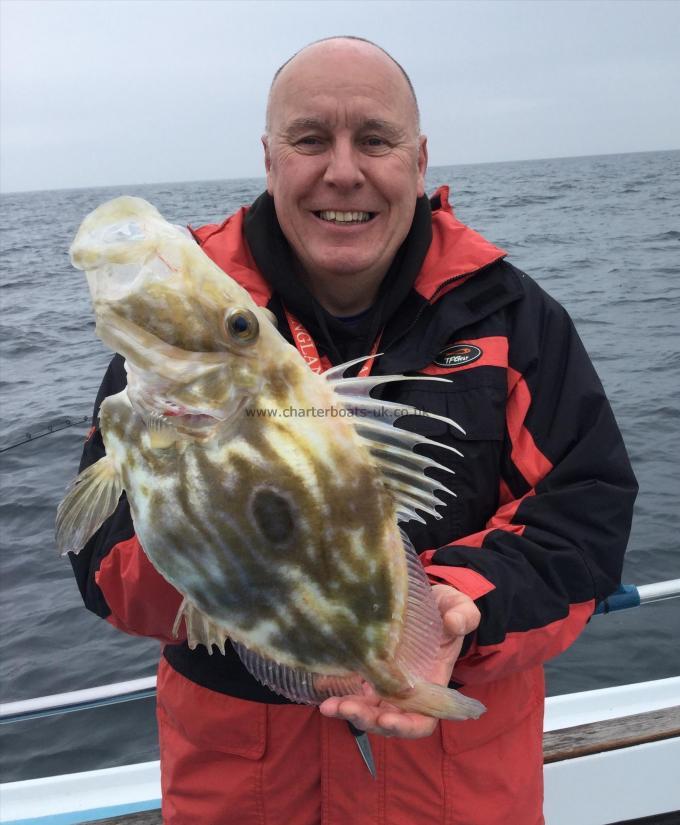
(438,702)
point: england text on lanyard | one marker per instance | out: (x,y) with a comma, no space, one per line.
(308,350)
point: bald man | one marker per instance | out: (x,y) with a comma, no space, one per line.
(351,257)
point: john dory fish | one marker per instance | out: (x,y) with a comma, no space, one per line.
(280,532)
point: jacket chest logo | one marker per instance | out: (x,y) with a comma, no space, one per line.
(458,355)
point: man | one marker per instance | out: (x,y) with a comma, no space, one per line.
(350,256)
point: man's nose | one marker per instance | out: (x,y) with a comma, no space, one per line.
(344,166)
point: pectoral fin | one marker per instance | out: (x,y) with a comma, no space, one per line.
(90,500)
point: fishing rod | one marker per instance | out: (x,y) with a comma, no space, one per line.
(626,597)
(51,428)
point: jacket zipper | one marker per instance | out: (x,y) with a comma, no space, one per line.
(424,307)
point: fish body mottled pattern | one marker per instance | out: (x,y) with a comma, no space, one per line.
(283,533)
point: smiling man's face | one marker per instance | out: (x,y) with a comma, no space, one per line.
(345,162)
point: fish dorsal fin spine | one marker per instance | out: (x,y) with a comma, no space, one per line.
(403,470)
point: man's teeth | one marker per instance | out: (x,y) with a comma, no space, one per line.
(344,217)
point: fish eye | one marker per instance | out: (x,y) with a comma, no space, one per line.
(241,325)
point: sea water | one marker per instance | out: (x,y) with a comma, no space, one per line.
(600,234)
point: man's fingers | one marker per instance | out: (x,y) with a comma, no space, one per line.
(390,723)
(455,623)
(461,620)
(357,710)
(378,719)
(405,726)
(459,613)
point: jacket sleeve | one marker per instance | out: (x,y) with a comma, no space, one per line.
(555,546)
(114,575)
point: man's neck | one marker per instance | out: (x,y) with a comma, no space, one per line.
(342,295)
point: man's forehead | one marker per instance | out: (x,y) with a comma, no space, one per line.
(346,53)
(364,79)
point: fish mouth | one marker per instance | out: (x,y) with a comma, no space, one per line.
(192,421)
(197,424)
(199,427)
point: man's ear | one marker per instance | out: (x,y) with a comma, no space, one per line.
(267,162)
(422,164)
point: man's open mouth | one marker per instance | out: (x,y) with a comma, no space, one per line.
(334,216)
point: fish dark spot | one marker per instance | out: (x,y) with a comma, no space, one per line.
(273,516)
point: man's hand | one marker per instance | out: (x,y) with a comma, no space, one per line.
(460,616)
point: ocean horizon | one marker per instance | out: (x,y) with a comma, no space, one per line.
(431,170)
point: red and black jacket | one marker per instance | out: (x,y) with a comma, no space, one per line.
(545,490)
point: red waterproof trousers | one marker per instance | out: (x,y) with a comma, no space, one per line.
(229,761)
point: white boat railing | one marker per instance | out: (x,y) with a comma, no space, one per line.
(625,597)
(74,700)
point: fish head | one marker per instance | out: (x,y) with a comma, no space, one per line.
(192,338)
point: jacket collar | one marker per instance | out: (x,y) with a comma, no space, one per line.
(456,251)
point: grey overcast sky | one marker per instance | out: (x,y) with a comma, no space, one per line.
(98,92)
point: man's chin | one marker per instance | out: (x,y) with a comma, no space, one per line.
(332,265)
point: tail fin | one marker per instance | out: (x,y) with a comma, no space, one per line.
(439,702)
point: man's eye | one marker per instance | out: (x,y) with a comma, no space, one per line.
(309,141)
(374,142)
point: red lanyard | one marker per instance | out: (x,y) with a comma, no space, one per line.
(307,348)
